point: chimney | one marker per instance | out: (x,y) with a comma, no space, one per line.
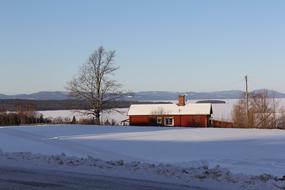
(181,100)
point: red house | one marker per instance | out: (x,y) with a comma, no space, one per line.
(180,115)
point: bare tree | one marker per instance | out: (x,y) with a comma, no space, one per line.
(262,109)
(159,115)
(264,112)
(3,109)
(94,84)
(281,119)
(159,112)
(239,114)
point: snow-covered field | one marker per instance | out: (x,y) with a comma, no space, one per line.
(242,151)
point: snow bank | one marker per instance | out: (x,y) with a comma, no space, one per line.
(201,176)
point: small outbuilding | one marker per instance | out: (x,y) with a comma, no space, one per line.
(179,115)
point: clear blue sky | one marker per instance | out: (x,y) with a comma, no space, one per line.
(161,44)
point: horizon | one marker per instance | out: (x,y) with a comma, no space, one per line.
(189,91)
(204,46)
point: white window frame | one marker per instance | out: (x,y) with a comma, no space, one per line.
(167,124)
(159,120)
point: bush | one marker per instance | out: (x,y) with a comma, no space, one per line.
(21,119)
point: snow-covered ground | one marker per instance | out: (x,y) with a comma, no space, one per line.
(251,151)
(25,170)
(243,152)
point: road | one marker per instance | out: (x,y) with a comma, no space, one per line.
(37,179)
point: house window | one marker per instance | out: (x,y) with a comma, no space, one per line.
(159,120)
(168,121)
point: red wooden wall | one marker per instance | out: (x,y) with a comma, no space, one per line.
(179,120)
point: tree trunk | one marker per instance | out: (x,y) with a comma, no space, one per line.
(97,118)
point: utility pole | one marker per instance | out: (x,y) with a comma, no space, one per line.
(247,100)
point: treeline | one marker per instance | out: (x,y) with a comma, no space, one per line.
(82,121)
(24,114)
(260,111)
(70,104)
(21,112)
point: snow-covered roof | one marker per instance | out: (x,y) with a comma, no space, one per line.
(170,109)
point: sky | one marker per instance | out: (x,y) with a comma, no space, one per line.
(165,45)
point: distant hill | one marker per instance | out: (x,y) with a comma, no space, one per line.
(230,94)
(70,104)
(163,95)
(145,95)
(44,95)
